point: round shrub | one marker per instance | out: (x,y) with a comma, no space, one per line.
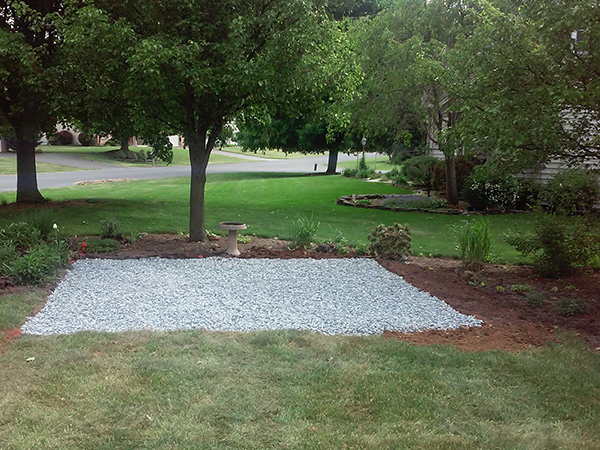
(390,242)
(573,191)
(40,264)
(488,191)
(418,169)
(65,137)
(85,139)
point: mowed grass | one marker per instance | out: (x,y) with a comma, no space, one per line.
(102,154)
(8,166)
(269,154)
(268,204)
(291,390)
(380,163)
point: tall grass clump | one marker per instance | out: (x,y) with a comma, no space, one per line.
(474,239)
(304,230)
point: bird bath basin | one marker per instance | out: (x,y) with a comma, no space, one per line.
(233,228)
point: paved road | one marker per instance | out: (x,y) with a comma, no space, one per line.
(107,171)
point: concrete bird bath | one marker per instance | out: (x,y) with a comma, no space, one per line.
(233,228)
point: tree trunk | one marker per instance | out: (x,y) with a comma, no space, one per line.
(4,145)
(451,185)
(27,187)
(199,155)
(125,144)
(332,163)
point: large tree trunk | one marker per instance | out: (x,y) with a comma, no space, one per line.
(125,144)
(3,145)
(27,187)
(451,185)
(332,163)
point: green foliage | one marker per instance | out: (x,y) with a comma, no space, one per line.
(362,164)
(42,219)
(474,239)
(358,173)
(412,201)
(463,166)
(40,264)
(21,235)
(102,245)
(522,288)
(559,244)
(571,306)
(397,177)
(573,191)
(391,242)
(535,298)
(486,190)
(110,227)
(303,232)
(8,254)
(418,169)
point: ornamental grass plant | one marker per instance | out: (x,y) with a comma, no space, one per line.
(474,239)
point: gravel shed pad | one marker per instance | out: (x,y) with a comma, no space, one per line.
(330,296)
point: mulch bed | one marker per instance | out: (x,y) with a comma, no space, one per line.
(510,322)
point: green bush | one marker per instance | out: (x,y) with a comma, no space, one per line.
(110,227)
(112,143)
(418,169)
(559,243)
(22,235)
(350,173)
(303,232)
(102,245)
(534,298)
(8,254)
(397,177)
(573,191)
(570,306)
(40,264)
(485,190)
(474,239)
(528,193)
(43,220)
(390,242)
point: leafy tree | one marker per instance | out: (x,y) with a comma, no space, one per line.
(197,64)
(28,44)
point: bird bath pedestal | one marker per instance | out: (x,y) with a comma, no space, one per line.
(233,228)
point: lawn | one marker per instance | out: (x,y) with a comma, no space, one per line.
(8,166)
(268,203)
(269,154)
(292,390)
(379,163)
(180,156)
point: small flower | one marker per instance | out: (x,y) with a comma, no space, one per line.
(55,226)
(199,256)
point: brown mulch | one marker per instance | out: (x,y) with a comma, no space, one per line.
(510,323)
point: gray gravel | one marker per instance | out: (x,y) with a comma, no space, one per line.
(330,296)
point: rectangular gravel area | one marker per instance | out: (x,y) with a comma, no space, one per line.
(330,296)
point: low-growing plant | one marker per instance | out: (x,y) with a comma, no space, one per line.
(102,245)
(486,190)
(474,240)
(363,202)
(570,306)
(350,173)
(535,298)
(43,220)
(110,227)
(391,242)
(418,169)
(522,288)
(243,239)
(397,177)
(413,201)
(303,232)
(22,235)
(8,254)
(573,191)
(362,250)
(40,264)
(559,244)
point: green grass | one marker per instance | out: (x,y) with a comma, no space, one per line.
(379,163)
(100,154)
(268,203)
(269,154)
(291,390)
(8,166)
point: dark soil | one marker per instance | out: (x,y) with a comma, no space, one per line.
(510,322)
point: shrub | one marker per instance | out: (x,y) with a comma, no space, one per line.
(110,227)
(528,193)
(40,264)
(65,137)
(485,190)
(102,245)
(535,298)
(362,164)
(112,143)
(350,173)
(559,244)
(43,220)
(573,191)
(390,242)
(8,254)
(303,232)
(22,235)
(474,239)
(570,306)
(418,169)
(397,177)
(85,139)
(413,201)
(464,166)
